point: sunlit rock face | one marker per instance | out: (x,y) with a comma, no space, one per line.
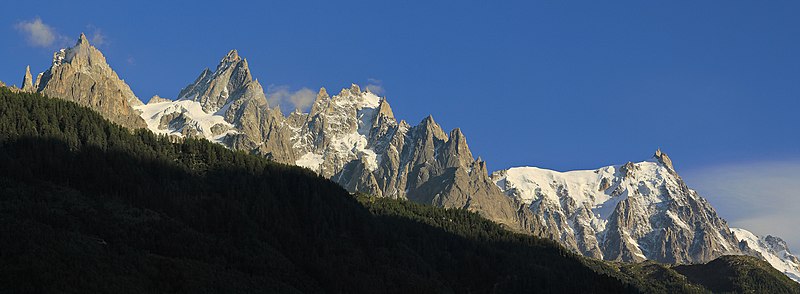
(81,74)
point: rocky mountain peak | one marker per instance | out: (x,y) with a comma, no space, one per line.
(82,40)
(459,142)
(319,103)
(456,153)
(479,167)
(777,244)
(664,159)
(355,89)
(84,56)
(457,136)
(27,80)
(81,74)
(230,81)
(231,57)
(428,120)
(429,126)
(384,110)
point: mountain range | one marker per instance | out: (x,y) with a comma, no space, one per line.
(631,212)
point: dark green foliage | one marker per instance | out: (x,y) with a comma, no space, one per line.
(87,206)
(652,277)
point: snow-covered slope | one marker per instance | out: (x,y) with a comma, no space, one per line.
(185,118)
(628,212)
(773,250)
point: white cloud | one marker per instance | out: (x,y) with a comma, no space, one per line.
(282,95)
(98,38)
(303,98)
(375,86)
(763,197)
(38,34)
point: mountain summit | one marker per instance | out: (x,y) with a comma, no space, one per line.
(629,212)
(227,106)
(231,81)
(81,74)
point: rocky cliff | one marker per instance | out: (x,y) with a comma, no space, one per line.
(227,106)
(354,138)
(81,74)
(27,81)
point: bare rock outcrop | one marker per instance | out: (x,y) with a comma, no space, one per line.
(81,74)
(27,82)
(231,93)
(354,138)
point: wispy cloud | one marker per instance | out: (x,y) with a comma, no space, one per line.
(763,197)
(98,38)
(39,34)
(375,86)
(282,95)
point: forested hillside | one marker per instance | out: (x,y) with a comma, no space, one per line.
(87,206)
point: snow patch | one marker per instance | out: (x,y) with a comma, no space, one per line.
(311,161)
(195,118)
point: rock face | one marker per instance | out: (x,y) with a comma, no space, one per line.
(81,74)
(354,139)
(630,212)
(27,82)
(226,106)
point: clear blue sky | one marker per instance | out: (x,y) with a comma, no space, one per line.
(552,84)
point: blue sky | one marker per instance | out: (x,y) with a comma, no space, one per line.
(556,84)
